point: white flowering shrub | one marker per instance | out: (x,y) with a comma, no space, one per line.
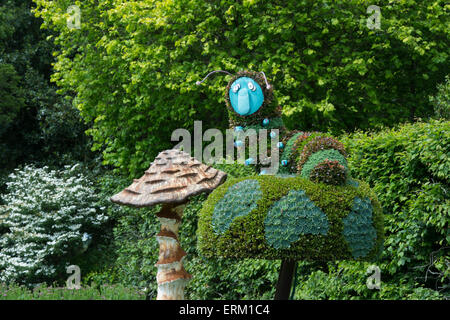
(48,217)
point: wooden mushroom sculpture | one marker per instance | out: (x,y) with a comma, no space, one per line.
(172,178)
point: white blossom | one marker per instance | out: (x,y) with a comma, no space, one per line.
(47,216)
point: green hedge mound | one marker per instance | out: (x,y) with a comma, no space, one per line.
(291,218)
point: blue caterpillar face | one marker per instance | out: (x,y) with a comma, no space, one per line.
(246,96)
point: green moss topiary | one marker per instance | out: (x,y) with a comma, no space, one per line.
(358,228)
(247,236)
(245,136)
(330,172)
(239,200)
(300,144)
(291,216)
(289,142)
(315,143)
(274,123)
(319,157)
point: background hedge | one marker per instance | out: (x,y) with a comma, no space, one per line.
(409,169)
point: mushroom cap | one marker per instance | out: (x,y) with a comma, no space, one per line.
(173,177)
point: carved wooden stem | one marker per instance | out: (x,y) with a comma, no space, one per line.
(171,277)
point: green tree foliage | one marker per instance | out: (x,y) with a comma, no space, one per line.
(40,125)
(11,104)
(134,64)
(11,100)
(441,101)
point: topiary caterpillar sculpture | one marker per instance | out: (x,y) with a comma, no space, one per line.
(292,218)
(311,210)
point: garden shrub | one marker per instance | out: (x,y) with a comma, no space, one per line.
(129,250)
(235,170)
(47,214)
(11,101)
(348,280)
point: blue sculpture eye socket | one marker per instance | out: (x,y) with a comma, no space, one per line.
(246,96)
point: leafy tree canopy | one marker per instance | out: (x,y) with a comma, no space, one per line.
(36,124)
(134,64)
(11,99)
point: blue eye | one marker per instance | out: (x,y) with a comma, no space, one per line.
(251,86)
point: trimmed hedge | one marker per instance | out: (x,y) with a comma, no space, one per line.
(409,168)
(246,235)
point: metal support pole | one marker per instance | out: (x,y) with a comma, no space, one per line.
(285,277)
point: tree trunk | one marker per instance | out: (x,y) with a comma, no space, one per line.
(171,277)
(285,277)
